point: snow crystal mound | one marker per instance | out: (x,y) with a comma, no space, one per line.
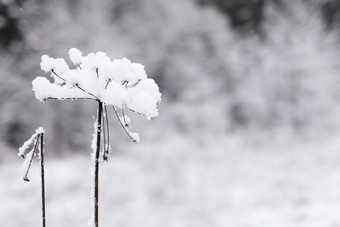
(147,85)
(40,130)
(120,83)
(123,70)
(145,104)
(58,65)
(76,56)
(45,90)
(115,95)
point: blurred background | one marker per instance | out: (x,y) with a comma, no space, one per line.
(249,127)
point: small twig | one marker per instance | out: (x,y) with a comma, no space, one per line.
(123,114)
(31,159)
(77,85)
(58,76)
(104,133)
(125,82)
(135,84)
(107,84)
(107,127)
(51,98)
(135,111)
(122,124)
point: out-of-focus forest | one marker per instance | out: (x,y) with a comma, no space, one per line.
(248,128)
(248,67)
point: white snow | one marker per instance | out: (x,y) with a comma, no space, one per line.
(173,181)
(44,90)
(26,145)
(146,85)
(115,95)
(135,136)
(46,64)
(145,104)
(40,130)
(59,65)
(76,56)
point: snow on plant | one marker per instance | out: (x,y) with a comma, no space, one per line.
(118,83)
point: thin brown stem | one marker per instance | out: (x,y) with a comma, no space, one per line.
(43,212)
(89,93)
(96,171)
(107,83)
(58,75)
(51,98)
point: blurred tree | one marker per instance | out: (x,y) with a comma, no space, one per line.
(293,80)
(10,30)
(330,11)
(245,15)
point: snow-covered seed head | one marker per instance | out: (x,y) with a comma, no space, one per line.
(119,82)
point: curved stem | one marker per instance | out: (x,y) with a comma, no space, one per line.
(123,126)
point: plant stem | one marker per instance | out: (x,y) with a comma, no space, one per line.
(42,179)
(96,171)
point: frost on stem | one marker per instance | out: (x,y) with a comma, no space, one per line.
(23,149)
(28,150)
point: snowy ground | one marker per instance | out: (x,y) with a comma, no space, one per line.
(184,183)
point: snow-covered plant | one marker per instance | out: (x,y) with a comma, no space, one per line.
(118,83)
(34,146)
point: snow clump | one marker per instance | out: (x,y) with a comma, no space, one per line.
(118,82)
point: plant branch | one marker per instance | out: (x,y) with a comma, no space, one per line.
(123,114)
(104,129)
(122,124)
(58,76)
(31,159)
(51,98)
(77,85)
(107,127)
(106,133)
(107,83)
